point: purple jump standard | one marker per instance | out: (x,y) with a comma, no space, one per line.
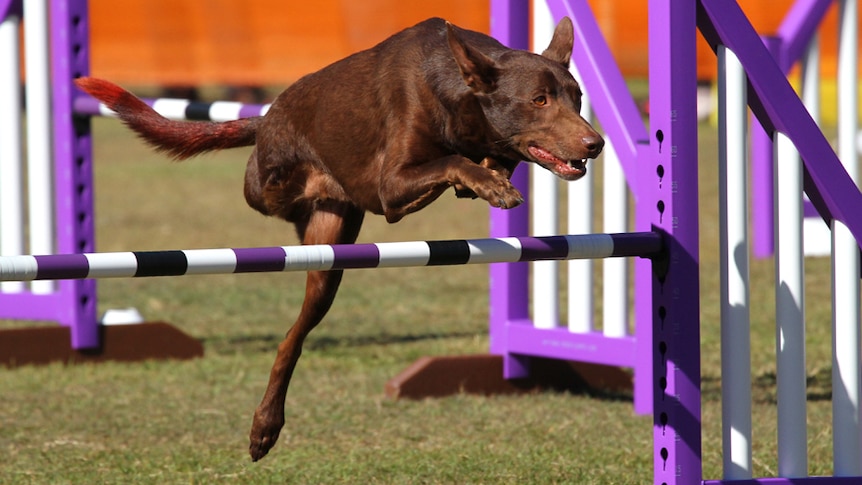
(326,257)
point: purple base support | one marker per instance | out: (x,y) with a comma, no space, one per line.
(674,206)
(509,282)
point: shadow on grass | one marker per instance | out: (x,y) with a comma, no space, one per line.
(764,387)
(548,375)
(247,344)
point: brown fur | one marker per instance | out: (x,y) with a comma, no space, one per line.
(387,131)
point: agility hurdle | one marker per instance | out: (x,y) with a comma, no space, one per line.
(327,257)
(669,171)
(668,205)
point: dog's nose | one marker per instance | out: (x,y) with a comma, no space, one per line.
(593,144)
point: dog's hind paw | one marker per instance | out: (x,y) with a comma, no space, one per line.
(263,437)
(259,447)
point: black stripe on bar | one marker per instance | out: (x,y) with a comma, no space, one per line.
(197,111)
(161,263)
(643,244)
(448,252)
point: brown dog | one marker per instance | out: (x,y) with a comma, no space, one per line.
(386,130)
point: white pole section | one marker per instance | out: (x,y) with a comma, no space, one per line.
(789,311)
(40,168)
(11,153)
(847,434)
(543,202)
(580,221)
(615,294)
(734,273)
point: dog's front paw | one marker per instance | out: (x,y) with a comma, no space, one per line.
(264,433)
(510,200)
(504,197)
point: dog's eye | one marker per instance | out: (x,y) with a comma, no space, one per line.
(540,100)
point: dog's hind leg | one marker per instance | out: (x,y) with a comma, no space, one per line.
(329,223)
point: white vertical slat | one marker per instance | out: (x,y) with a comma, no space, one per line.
(543,203)
(734,272)
(39,146)
(847,434)
(11,150)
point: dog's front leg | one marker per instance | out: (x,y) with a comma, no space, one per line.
(410,186)
(335,223)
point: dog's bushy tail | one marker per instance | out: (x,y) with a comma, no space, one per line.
(179,139)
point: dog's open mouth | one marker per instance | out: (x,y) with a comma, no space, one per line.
(565,169)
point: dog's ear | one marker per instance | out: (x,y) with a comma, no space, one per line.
(560,49)
(478,70)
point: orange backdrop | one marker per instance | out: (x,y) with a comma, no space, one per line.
(270,42)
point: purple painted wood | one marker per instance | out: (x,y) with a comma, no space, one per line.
(778,107)
(559,343)
(787,47)
(674,205)
(73,168)
(798,28)
(11,7)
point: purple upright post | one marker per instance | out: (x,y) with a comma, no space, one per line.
(70,55)
(676,304)
(762,155)
(509,281)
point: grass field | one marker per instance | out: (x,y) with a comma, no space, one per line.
(187,422)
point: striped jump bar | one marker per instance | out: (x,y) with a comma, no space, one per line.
(179,109)
(326,257)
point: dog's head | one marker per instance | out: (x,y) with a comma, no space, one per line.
(532,102)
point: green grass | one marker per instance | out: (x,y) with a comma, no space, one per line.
(187,422)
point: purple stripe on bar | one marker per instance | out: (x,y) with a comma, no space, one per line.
(86,105)
(62,266)
(636,244)
(550,247)
(258,260)
(355,256)
(249,110)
